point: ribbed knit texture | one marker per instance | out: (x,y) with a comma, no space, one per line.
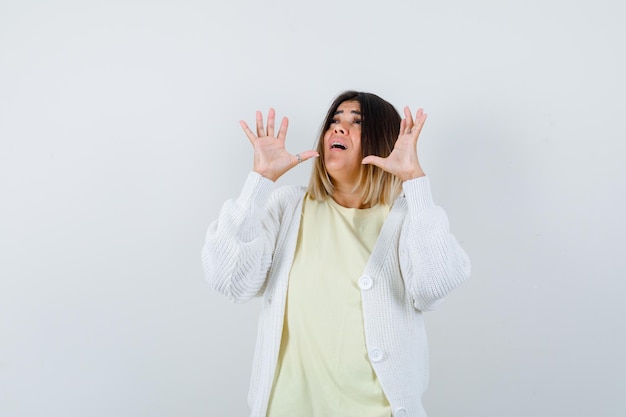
(416,261)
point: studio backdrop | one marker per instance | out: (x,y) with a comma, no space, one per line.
(120,140)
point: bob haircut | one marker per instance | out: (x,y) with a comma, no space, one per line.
(380,126)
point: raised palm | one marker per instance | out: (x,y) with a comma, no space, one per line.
(403,161)
(271,159)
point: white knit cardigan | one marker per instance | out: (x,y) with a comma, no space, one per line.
(249,250)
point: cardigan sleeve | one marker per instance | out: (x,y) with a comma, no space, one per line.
(238,249)
(432,261)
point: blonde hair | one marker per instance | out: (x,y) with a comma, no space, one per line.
(379,131)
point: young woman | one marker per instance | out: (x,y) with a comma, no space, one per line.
(346,267)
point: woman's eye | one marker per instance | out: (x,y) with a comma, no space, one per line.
(358,122)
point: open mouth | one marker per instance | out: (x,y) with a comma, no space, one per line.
(338,145)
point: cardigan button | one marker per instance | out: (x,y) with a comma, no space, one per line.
(376,355)
(365,282)
(401,412)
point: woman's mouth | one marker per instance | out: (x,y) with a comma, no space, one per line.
(338,145)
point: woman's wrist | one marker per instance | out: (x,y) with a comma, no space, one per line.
(417,173)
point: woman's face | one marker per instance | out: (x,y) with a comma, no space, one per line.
(342,143)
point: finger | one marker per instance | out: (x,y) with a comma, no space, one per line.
(418,115)
(271,116)
(259,124)
(374,160)
(402,126)
(420,118)
(249,133)
(306,155)
(408,117)
(282,132)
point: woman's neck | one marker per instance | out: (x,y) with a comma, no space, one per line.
(349,199)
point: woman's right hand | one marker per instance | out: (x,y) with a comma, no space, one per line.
(271,159)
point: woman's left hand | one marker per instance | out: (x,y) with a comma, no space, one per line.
(402,161)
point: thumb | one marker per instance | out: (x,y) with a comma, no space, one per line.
(308,155)
(374,160)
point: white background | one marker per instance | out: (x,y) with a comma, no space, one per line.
(120,141)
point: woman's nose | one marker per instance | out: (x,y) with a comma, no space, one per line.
(340,128)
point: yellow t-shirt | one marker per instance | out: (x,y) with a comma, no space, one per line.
(323,369)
